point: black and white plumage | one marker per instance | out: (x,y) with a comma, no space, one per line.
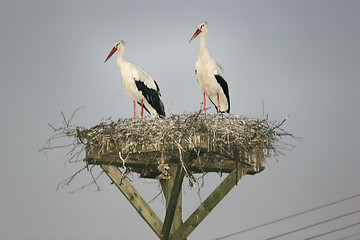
(210,75)
(138,84)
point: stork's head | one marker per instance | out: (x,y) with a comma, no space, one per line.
(119,45)
(203,27)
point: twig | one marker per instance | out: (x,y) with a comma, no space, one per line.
(90,183)
(68,180)
(157,195)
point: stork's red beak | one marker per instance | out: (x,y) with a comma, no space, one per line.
(195,35)
(111,53)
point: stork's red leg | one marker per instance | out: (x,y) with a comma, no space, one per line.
(218,102)
(204,103)
(142,108)
(134,110)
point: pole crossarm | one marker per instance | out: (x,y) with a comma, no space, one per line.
(134,198)
(209,204)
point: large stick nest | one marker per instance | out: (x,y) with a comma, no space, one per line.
(244,134)
(240,133)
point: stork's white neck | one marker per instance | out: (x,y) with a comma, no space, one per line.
(203,51)
(119,57)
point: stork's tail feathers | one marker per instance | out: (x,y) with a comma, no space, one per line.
(160,109)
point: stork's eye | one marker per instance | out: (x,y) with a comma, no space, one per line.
(202,26)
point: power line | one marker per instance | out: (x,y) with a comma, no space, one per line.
(349,236)
(291,216)
(339,229)
(313,225)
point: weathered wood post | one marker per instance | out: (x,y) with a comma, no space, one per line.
(167,187)
(147,161)
(173,201)
(170,159)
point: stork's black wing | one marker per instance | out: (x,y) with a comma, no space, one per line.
(152,96)
(225,88)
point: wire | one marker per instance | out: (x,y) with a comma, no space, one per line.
(291,216)
(312,225)
(339,229)
(349,236)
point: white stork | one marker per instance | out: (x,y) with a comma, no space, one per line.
(138,84)
(210,74)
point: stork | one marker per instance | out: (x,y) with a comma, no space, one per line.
(138,84)
(210,74)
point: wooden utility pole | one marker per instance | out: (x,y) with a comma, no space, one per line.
(202,156)
(173,195)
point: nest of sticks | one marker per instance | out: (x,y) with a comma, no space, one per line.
(243,134)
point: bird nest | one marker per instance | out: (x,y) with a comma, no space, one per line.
(242,134)
(200,143)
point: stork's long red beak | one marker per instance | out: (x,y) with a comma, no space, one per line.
(111,53)
(195,35)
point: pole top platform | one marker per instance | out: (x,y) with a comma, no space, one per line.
(215,143)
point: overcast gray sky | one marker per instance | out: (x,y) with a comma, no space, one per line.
(301,58)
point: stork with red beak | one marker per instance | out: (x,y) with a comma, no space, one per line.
(210,74)
(138,84)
